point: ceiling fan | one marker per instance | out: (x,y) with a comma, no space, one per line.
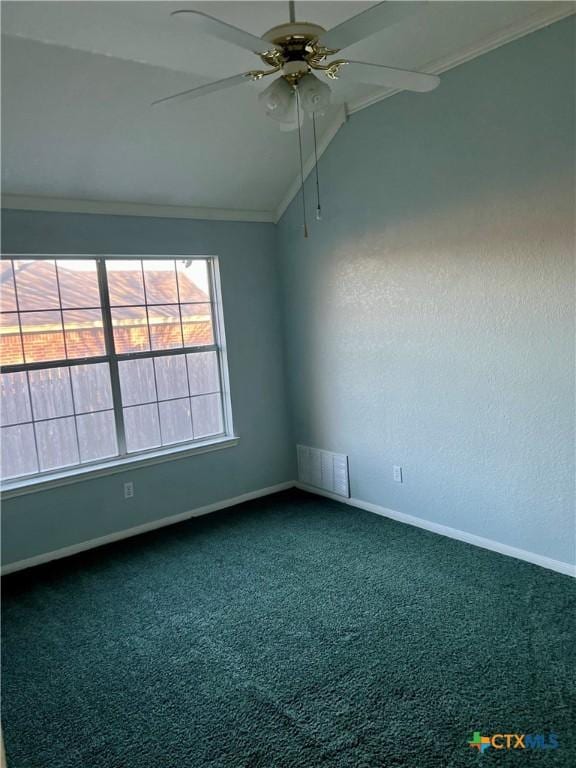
(296,50)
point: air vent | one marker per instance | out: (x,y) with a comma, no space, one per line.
(322,469)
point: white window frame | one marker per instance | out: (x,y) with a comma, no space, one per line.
(89,470)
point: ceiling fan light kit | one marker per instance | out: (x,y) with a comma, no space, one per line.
(277,99)
(314,94)
(296,51)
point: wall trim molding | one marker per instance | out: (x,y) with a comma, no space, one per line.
(452,533)
(153,525)
(82,473)
(539,19)
(443,530)
(325,140)
(120,208)
(542,18)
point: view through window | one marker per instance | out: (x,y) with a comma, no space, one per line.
(104,358)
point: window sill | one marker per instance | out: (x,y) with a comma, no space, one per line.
(24,486)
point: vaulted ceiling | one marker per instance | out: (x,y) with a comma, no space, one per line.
(79,78)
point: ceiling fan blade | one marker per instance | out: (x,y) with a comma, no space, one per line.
(367,23)
(227,32)
(389,77)
(202,90)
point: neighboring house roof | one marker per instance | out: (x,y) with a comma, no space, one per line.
(77,292)
(79,288)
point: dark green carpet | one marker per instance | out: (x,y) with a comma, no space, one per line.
(291,631)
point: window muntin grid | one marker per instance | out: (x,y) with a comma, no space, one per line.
(105,422)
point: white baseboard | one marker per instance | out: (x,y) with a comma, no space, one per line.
(57,554)
(452,533)
(444,530)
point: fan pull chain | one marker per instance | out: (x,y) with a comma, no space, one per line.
(318,206)
(301,163)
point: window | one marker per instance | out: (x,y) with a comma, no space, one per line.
(106,358)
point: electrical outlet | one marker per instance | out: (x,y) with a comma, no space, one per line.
(397,474)
(128,490)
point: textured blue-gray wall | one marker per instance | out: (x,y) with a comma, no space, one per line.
(428,319)
(45,521)
(429,316)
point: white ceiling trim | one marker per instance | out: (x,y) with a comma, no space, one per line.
(524,27)
(309,164)
(538,20)
(118,208)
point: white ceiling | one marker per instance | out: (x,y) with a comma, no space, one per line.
(79,77)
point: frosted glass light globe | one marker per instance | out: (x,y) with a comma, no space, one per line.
(314,94)
(279,100)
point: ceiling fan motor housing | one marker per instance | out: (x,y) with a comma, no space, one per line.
(298,44)
(298,31)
